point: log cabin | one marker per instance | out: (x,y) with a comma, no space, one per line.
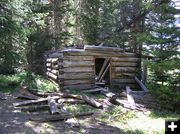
(91,66)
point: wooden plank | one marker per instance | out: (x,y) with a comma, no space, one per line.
(123,81)
(123,75)
(104,73)
(93,53)
(124,69)
(34,101)
(76,82)
(77,63)
(100,48)
(58,117)
(78,58)
(91,101)
(79,86)
(71,101)
(103,68)
(78,69)
(141,84)
(77,76)
(127,59)
(124,64)
(130,98)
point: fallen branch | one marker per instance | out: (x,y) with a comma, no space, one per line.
(59,117)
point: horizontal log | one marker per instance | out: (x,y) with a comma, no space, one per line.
(124,69)
(123,81)
(77,63)
(122,75)
(71,76)
(51,75)
(78,58)
(76,82)
(127,59)
(124,64)
(102,48)
(55,72)
(50,65)
(93,53)
(52,60)
(79,86)
(78,69)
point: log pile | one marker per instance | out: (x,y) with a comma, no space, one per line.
(52,60)
(55,102)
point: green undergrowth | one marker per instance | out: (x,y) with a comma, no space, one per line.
(12,83)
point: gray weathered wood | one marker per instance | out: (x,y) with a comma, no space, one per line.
(78,69)
(100,48)
(77,63)
(126,59)
(58,117)
(79,86)
(34,101)
(124,64)
(124,69)
(76,82)
(78,58)
(129,96)
(123,80)
(53,106)
(77,76)
(103,68)
(104,73)
(141,84)
(51,75)
(91,101)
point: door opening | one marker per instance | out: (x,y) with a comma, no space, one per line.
(102,70)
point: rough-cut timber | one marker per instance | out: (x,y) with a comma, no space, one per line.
(76,68)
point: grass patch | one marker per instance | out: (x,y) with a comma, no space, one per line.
(11,83)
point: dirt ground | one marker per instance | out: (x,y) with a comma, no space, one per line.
(13,121)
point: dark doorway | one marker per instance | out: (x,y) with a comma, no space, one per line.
(102,70)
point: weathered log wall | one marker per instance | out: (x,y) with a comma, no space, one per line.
(75,68)
(78,72)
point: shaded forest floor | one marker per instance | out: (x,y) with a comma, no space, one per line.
(112,121)
(13,121)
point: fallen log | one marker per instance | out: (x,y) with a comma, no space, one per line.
(63,95)
(34,108)
(53,106)
(71,101)
(34,101)
(91,101)
(59,117)
(92,90)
